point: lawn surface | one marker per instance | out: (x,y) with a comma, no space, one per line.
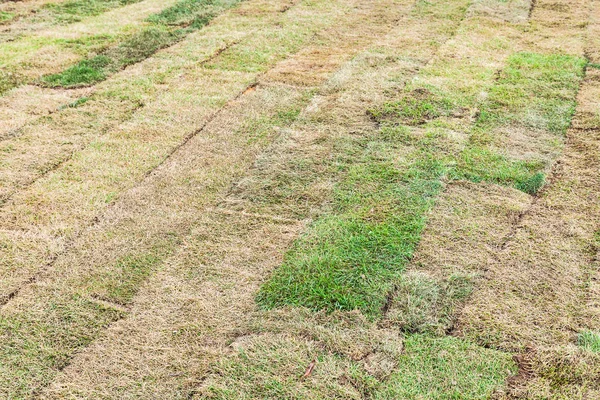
(300,199)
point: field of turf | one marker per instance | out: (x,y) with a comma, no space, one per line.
(300,199)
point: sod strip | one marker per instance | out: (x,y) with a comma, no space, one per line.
(242,246)
(128,269)
(74,193)
(352,360)
(29,103)
(521,127)
(351,258)
(28,57)
(464,230)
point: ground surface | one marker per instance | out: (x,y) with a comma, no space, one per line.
(300,199)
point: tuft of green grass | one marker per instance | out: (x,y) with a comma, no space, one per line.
(446,369)
(589,340)
(5,16)
(80,101)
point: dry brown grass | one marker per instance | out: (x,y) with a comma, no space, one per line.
(31,102)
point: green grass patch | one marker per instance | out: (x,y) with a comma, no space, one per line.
(169,26)
(96,69)
(446,368)
(350,258)
(535,90)
(5,16)
(589,340)
(194,13)
(481,164)
(73,10)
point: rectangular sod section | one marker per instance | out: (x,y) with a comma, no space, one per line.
(351,359)
(521,126)
(446,368)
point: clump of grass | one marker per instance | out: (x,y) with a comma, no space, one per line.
(80,101)
(414,108)
(5,16)
(9,80)
(446,368)
(73,10)
(423,304)
(589,340)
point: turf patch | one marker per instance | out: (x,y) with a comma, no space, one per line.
(589,340)
(535,92)
(414,108)
(423,304)
(446,368)
(96,69)
(5,16)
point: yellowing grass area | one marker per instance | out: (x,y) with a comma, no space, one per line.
(300,199)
